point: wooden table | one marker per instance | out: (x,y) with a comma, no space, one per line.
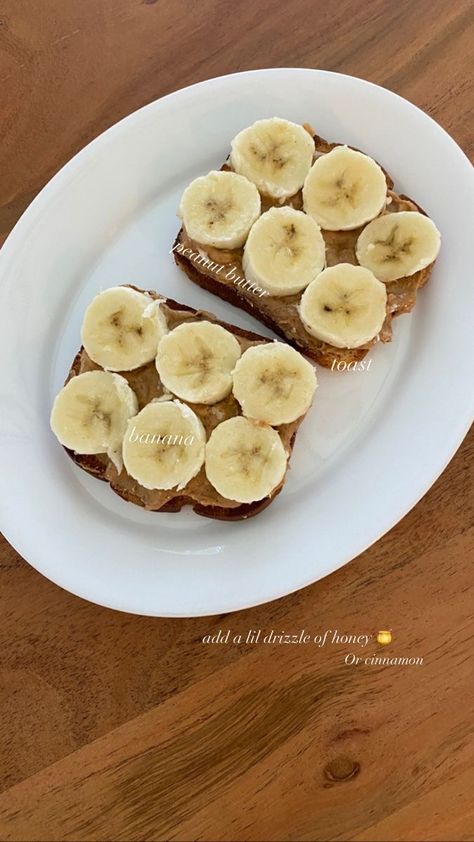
(117,727)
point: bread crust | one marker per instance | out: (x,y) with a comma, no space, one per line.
(401,294)
(100,466)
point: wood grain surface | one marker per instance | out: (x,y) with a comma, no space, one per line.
(116,727)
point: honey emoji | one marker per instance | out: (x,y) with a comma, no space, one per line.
(384,637)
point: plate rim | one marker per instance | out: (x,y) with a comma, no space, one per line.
(81,153)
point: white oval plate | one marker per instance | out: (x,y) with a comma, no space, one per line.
(374,441)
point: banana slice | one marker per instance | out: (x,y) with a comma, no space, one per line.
(275,154)
(195,361)
(122,328)
(344,306)
(284,251)
(274,383)
(219,209)
(396,245)
(344,189)
(245,460)
(164,445)
(91,412)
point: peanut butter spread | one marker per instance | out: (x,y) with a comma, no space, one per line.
(147,385)
(340,248)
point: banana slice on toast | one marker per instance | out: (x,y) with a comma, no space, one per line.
(396,245)
(163,446)
(274,383)
(91,412)
(195,361)
(284,251)
(245,460)
(344,189)
(122,328)
(219,209)
(274,154)
(344,306)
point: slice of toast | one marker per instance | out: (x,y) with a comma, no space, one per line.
(281,314)
(146,384)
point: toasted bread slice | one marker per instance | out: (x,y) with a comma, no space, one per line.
(146,384)
(281,314)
